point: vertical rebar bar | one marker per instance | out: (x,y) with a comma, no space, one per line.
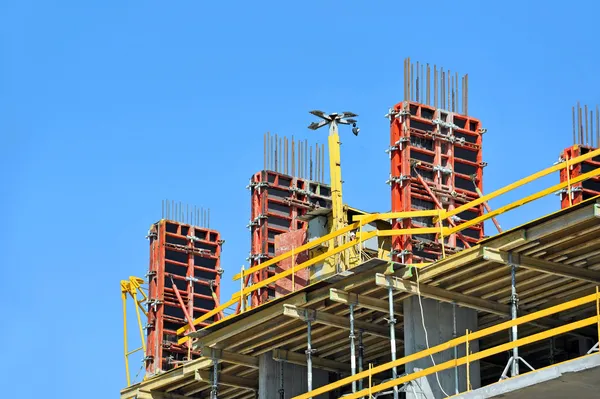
(412,88)
(435,86)
(573,120)
(592,128)
(310,167)
(587,137)
(417,83)
(455,92)
(466,112)
(579,123)
(208,221)
(448,104)
(422,84)
(264,151)
(452,94)
(293,157)
(428,90)
(305,157)
(318,163)
(392,323)
(352,347)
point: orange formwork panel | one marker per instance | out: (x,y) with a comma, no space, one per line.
(184,280)
(583,190)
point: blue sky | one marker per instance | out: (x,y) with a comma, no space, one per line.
(109,107)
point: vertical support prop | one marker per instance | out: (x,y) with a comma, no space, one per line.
(309,352)
(454,334)
(392,324)
(352,347)
(513,305)
(361,355)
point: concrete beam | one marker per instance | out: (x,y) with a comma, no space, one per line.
(334,321)
(225,379)
(317,362)
(544,266)
(230,357)
(363,301)
(443,295)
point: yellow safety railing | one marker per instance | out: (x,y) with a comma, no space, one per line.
(438,214)
(132,287)
(465,340)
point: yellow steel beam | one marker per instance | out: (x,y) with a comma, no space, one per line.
(516,204)
(452,343)
(522,182)
(400,215)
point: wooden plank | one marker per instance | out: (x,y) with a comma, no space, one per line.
(159,395)
(230,357)
(334,321)
(318,362)
(543,266)
(229,380)
(562,220)
(443,295)
(216,338)
(357,299)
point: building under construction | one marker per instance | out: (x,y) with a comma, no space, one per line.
(419,302)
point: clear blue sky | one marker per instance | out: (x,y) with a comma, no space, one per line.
(107,107)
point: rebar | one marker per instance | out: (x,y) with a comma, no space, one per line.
(352,347)
(392,324)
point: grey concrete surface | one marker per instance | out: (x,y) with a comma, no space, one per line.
(575,379)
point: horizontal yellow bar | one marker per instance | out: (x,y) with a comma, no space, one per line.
(400,232)
(522,201)
(304,265)
(452,343)
(401,215)
(471,357)
(307,246)
(208,315)
(521,182)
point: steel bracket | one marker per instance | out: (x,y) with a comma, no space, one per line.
(444,170)
(447,125)
(257,184)
(397,179)
(192,279)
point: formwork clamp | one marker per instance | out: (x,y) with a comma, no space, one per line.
(256,257)
(397,179)
(395,252)
(394,113)
(448,125)
(442,169)
(566,190)
(257,184)
(256,220)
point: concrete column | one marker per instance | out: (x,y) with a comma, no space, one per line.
(439,323)
(294,378)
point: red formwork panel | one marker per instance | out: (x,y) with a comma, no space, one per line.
(286,242)
(583,190)
(277,202)
(444,149)
(188,257)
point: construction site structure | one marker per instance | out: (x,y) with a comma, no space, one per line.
(436,162)
(184,282)
(423,304)
(586,138)
(290,185)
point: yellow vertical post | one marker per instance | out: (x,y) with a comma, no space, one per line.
(467,350)
(335,171)
(370,379)
(242,296)
(293,272)
(124,298)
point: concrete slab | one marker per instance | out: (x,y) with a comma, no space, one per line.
(578,378)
